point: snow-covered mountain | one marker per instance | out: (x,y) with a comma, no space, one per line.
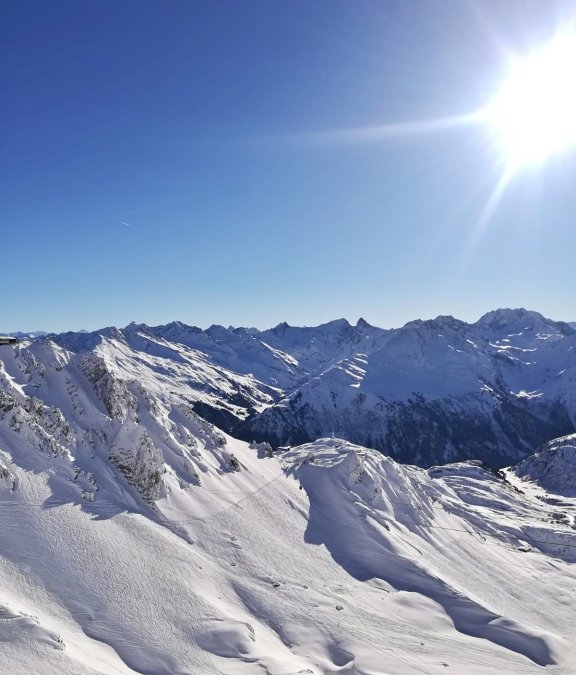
(32,334)
(138,537)
(331,558)
(440,390)
(553,467)
(429,392)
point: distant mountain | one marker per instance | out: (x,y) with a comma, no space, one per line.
(553,467)
(427,393)
(19,334)
(440,390)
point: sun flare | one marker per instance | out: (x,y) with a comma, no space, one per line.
(534,112)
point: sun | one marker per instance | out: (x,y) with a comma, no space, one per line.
(533,114)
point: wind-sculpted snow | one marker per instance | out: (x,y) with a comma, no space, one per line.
(327,558)
(362,504)
(139,537)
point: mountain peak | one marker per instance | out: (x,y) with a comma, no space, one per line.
(281,328)
(449,321)
(217,328)
(442,321)
(336,323)
(503,316)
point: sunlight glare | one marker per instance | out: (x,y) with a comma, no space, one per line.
(534,112)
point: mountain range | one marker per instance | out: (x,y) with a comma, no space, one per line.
(139,536)
(430,392)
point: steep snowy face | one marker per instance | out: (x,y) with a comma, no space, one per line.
(436,391)
(553,467)
(282,356)
(228,373)
(178,371)
(237,350)
(276,359)
(111,420)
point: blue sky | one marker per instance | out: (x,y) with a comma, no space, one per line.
(192,160)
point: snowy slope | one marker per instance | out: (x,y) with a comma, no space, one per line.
(553,467)
(171,369)
(280,357)
(137,537)
(436,391)
(329,558)
(429,392)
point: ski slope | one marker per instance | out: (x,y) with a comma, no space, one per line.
(330,558)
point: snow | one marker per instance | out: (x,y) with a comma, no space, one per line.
(138,537)
(509,379)
(370,565)
(429,392)
(553,467)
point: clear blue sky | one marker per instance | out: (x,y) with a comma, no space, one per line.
(172,159)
